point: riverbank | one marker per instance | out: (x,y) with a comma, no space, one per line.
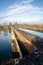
(35,27)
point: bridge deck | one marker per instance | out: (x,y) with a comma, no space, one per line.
(28,45)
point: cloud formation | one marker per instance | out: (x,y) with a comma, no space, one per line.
(21,11)
(27,1)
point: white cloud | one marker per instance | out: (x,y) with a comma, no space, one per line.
(19,9)
(14,12)
(27,1)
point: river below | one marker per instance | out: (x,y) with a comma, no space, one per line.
(5,45)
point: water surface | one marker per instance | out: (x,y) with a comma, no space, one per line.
(5,45)
(39,34)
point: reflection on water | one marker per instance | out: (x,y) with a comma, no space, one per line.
(0,32)
(5,33)
(5,45)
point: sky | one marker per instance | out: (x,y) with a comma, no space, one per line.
(21,11)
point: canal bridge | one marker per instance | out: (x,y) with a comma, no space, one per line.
(21,47)
(16,49)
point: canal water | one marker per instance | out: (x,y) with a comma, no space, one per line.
(39,34)
(5,45)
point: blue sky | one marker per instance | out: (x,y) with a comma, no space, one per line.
(21,11)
